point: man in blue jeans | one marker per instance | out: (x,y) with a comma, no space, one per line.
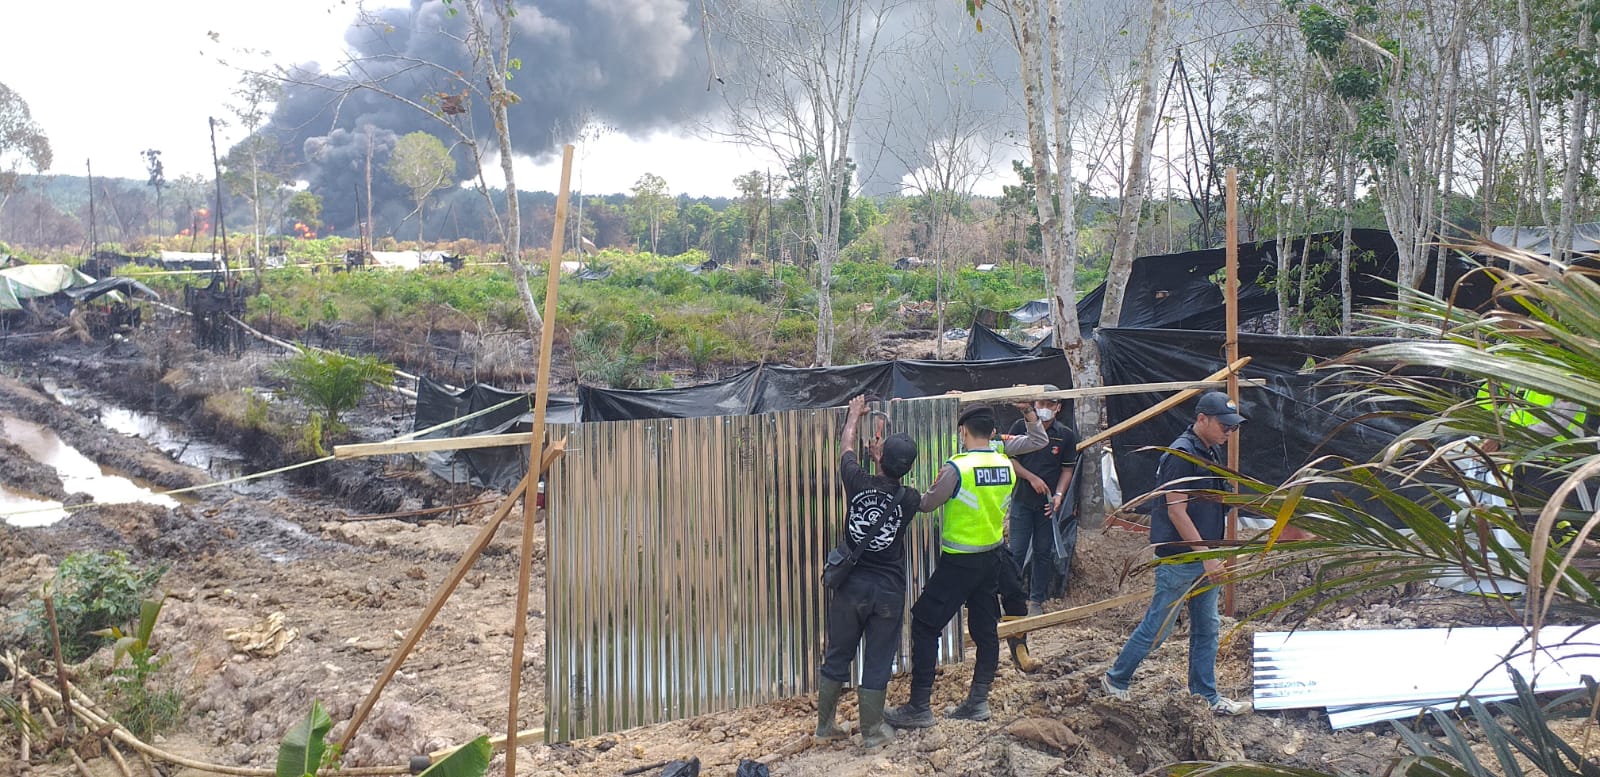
(1184,522)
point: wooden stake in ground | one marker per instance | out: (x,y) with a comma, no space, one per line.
(541,400)
(55,642)
(1232,339)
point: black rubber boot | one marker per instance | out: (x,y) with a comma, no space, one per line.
(1024,661)
(915,713)
(874,732)
(827,705)
(976,707)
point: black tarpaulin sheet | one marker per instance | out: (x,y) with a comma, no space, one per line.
(1291,420)
(794,388)
(731,396)
(985,344)
(761,389)
(928,378)
(1031,311)
(105,286)
(1178,291)
(500,467)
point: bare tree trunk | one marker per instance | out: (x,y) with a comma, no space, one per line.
(1578,121)
(1082,354)
(1138,169)
(1347,193)
(1530,77)
(499,100)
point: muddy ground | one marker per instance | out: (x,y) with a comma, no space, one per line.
(349,590)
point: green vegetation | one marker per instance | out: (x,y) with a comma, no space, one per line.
(92,590)
(141,703)
(331,384)
(304,748)
(304,751)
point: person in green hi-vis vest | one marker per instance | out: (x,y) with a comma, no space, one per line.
(972,487)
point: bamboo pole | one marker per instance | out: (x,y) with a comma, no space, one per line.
(123,735)
(495,743)
(55,642)
(541,400)
(1165,404)
(1023,626)
(471,441)
(1232,356)
(22,751)
(457,574)
(1047,391)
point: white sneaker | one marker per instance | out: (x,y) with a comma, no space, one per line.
(1120,694)
(1226,706)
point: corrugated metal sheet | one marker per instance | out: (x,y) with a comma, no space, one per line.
(684,557)
(1363,676)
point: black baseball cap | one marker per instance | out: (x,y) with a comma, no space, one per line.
(1217,405)
(899,453)
(976,412)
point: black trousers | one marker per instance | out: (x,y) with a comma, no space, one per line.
(960,579)
(863,610)
(1008,576)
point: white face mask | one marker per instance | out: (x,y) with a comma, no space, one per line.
(1045,414)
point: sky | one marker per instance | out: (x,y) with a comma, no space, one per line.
(135,76)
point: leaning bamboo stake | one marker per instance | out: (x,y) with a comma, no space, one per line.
(1022,626)
(22,751)
(527,737)
(77,760)
(457,574)
(541,400)
(122,765)
(55,643)
(1162,406)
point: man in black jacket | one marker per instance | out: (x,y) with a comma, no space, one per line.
(869,606)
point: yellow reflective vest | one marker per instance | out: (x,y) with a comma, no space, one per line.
(974,518)
(1525,417)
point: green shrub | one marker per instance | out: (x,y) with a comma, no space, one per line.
(92,590)
(331,383)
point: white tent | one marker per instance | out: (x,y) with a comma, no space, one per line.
(406,260)
(37,280)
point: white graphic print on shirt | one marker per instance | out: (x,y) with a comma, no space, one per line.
(866,509)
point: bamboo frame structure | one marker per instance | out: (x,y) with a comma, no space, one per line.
(541,401)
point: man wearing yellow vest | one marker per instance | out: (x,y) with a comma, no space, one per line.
(972,487)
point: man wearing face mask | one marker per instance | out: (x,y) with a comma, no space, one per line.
(1044,474)
(1182,522)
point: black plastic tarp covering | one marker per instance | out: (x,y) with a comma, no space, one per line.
(767,389)
(489,467)
(732,396)
(1031,311)
(761,389)
(1176,291)
(1291,420)
(105,286)
(788,388)
(984,343)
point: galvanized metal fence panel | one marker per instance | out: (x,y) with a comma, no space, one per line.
(684,561)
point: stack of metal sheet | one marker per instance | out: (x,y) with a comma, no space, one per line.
(1383,674)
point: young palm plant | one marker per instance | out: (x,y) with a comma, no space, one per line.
(331,384)
(1481,484)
